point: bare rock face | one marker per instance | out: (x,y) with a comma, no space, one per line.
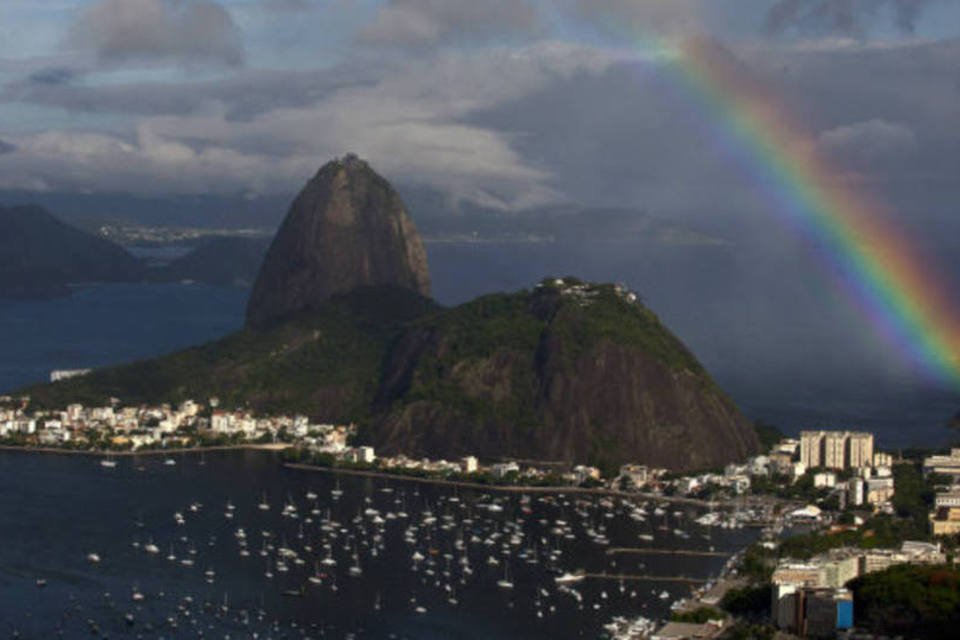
(347,229)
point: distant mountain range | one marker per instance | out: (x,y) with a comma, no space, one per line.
(224,261)
(41,256)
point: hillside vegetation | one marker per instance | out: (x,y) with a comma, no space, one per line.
(569,371)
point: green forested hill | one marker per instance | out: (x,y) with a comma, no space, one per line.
(567,371)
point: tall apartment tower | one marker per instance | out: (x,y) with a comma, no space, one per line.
(860,450)
(835,450)
(811,448)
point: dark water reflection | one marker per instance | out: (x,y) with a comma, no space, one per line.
(56,510)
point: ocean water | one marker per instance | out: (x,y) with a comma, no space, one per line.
(59,509)
(786,346)
(110,324)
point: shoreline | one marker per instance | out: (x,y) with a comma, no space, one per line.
(143,452)
(298,466)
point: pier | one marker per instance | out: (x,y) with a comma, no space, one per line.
(649,551)
(641,577)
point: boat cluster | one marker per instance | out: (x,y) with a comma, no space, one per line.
(394,548)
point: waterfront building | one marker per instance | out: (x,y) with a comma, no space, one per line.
(637,474)
(740,484)
(220,422)
(74,412)
(469,464)
(501,469)
(582,473)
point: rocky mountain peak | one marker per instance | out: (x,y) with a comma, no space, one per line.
(347,228)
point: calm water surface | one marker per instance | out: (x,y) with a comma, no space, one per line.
(58,509)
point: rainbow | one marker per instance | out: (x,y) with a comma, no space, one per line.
(875,264)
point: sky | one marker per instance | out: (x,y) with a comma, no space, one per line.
(507,104)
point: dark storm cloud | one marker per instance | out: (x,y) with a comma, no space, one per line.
(6,147)
(542,123)
(639,138)
(185,31)
(844,17)
(241,95)
(52,76)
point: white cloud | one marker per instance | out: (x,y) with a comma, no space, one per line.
(640,17)
(186,31)
(848,17)
(869,144)
(412,126)
(425,22)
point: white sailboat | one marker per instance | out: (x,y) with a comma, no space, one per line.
(505,582)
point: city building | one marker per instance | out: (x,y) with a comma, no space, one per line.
(826,479)
(66,374)
(789,446)
(636,474)
(879,490)
(881,459)
(949,498)
(811,449)
(781,463)
(583,473)
(837,450)
(859,450)
(686,631)
(945,521)
(469,464)
(855,491)
(502,469)
(945,465)
(826,612)
(809,598)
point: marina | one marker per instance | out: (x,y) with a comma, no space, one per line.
(242,545)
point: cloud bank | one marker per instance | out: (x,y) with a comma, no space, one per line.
(185,31)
